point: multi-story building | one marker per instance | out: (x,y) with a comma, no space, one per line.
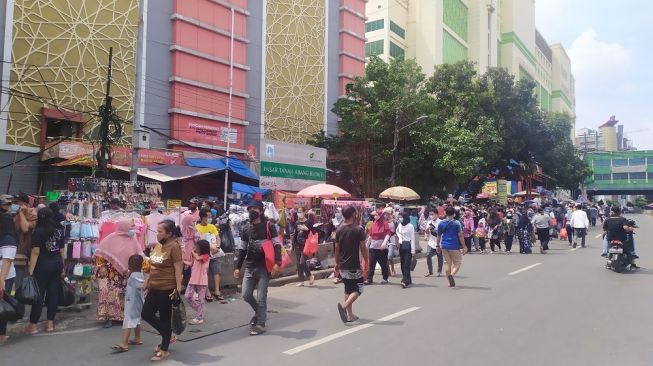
(609,137)
(621,172)
(488,32)
(290,61)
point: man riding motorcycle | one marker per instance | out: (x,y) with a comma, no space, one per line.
(616,227)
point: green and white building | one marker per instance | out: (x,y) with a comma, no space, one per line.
(489,32)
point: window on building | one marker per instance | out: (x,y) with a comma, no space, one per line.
(374,25)
(639,175)
(602,177)
(374,48)
(619,162)
(397,29)
(650,176)
(650,160)
(637,161)
(620,176)
(454,15)
(452,50)
(396,51)
(602,163)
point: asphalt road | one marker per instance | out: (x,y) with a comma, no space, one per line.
(563,308)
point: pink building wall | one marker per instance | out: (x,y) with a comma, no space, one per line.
(352,42)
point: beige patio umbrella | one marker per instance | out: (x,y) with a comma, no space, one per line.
(400,193)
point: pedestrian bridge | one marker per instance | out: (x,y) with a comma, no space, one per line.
(620,172)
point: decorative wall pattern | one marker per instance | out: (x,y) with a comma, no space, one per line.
(63,46)
(294,68)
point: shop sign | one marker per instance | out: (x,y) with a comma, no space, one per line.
(502,191)
(490,187)
(280,170)
(291,167)
(172,204)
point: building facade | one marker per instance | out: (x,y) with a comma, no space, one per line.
(623,172)
(217,73)
(490,33)
(610,136)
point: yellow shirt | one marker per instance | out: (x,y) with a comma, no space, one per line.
(207,229)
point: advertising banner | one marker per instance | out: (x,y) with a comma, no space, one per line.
(502,191)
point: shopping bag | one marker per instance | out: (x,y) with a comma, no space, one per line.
(28,291)
(178,319)
(66,294)
(310,247)
(268,250)
(563,233)
(286,260)
(10,309)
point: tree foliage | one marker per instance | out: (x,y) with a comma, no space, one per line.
(475,125)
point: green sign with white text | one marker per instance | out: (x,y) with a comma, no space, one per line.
(269,169)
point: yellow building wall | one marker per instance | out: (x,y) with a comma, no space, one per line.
(294,69)
(60,55)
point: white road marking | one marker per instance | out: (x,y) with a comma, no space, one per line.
(598,236)
(358,328)
(523,269)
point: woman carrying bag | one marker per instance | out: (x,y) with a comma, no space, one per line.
(303,229)
(8,246)
(163,285)
(46,265)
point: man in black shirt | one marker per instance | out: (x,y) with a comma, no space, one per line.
(349,244)
(616,227)
(256,275)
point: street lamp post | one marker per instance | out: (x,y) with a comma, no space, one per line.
(395,151)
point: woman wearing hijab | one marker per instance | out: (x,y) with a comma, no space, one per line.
(112,265)
(303,228)
(525,232)
(379,236)
(406,236)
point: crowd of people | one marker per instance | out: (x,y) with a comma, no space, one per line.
(135,284)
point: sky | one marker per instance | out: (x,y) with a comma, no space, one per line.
(610,44)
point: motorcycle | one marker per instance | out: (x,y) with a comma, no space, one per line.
(619,253)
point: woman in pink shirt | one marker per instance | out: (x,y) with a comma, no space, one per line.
(199,280)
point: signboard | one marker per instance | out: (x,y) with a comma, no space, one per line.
(228,135)
(82,154)
(207,132)
(490,187)
(502,191)
(291,167)
(172,204)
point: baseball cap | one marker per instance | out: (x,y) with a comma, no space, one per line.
(256,204)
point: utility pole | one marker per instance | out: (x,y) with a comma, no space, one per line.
(139,93)
(106,113)
(231,92)
(395,151)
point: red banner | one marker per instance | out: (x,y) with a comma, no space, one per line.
(80,153)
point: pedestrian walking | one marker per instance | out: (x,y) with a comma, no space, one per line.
(164,285)
(256,276)
(580,223)
(542,221)
(431,232)
(210,233)
(468,229)
(134,300)
(303,228)
(380,234)
(593,214)
(481,234)
(452,244)
(525,232)
(46,265)
(494,232)
(570,229)
(406,238)
(393,250)
(198,284)
(349,247)
(509,229)
(8,247)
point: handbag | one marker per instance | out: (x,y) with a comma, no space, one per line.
(310,247)
(66,294)
(28,292)
(178,318)
(286,260)
(10,309)
(268,250)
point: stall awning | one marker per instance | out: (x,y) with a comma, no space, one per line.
(169,173)
(245,189)
(235,166)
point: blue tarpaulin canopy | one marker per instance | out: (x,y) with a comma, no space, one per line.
(245,189)
(235,166)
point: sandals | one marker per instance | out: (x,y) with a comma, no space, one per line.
(218,297)
(159,356)
(134,342)
(28,331)
(117,348)
(173,339)
(196,321)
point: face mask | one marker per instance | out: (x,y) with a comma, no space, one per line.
(432,217)
(14,208)
(406,221)
(131,233)
(253,215)
(300,215)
